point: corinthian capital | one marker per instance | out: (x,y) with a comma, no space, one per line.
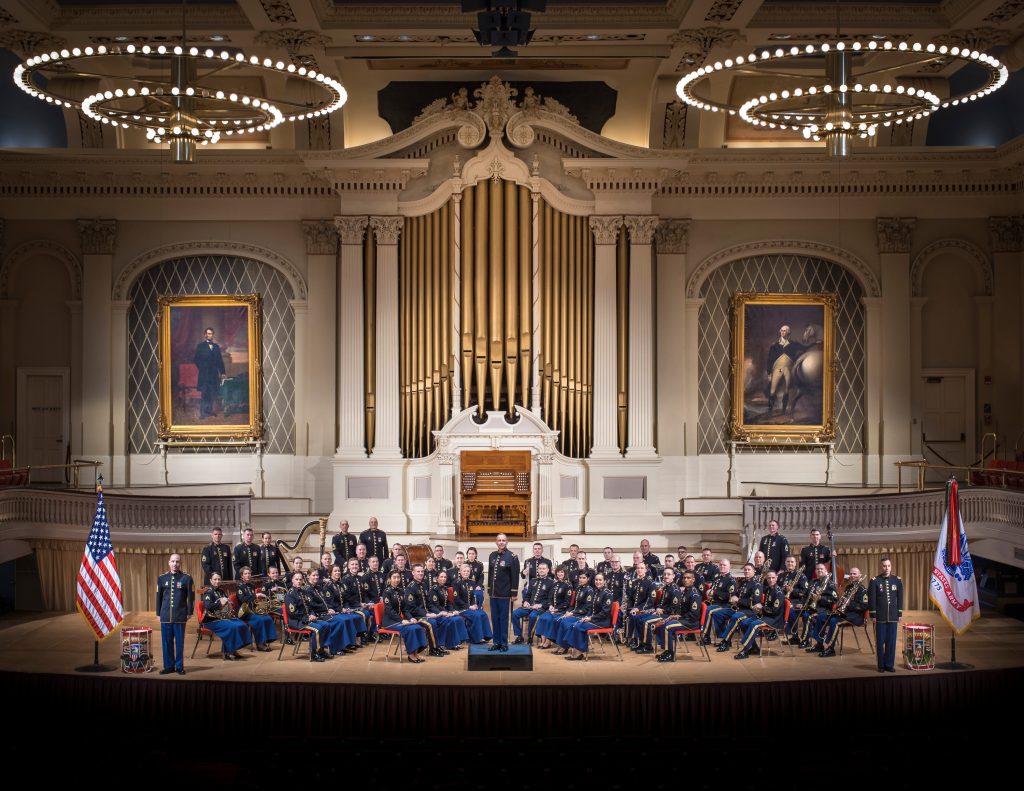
(641,228)
(895,234)
(1006,234)
(387,229)
(351,229)
(606,228)
(673,236)
(321,238)
(98,236)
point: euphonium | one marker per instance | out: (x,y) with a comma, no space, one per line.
(848,594)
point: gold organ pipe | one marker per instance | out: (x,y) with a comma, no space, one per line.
(563,331)
(444,263)
(496,292)
(466,285)
(370,337)
(429,335)
(410,351)
(525,295)
(622,334)
(571,318)
(546,314)
(480,295)
(556,302)
(588,323)
(418,316)
(403,329)
(511,293)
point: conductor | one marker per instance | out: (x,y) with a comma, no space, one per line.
(502,586)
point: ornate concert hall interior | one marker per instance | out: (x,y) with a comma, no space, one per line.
(582,272)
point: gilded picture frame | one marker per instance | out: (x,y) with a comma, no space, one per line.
(783,368)
(210,367)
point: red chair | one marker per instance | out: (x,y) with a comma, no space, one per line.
(378,616)
(288,629)
(607,630)
(451,595)
(698,632)
(202,631)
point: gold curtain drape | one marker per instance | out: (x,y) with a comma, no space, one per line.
(567,328)
(370,338)
(496,240)
(138,567)
(912,563)
(424,329)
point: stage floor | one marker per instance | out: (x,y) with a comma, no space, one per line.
(57,643)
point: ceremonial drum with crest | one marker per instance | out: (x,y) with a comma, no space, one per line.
(919,646)
(135,655)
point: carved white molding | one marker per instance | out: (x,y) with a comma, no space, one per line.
(673,236)
(131,273)
(321,237)
(448,189)
(555,198)
(36,247)
(498,163)
(962,249)
(641,228)
(864,275)
(895,234)
(387,229)
(606,228)
(98,237)
(351,229)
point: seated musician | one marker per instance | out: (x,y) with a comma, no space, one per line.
(759,559)
(793,582)
(821,595)
(262,626)
(720,598)
(689,563)
(341,634)
(362,557)
(395,618)
(415,608)
(351,590)
(706,568)
(389,563)
(476,569)
(748,605)
(615,581)
(561,598)
(220,619)
(274,583)
(301,616)
(536,600)
(680,612)
(299,565)
(401,566)
(605,565)
(372,584)
(585,596)
(646,624)
(429,572)
(600,617)
(477,623)
(326,564)
(452,632)
(850,609)
(333,592)
(581,566)
(771,614)
(638,601)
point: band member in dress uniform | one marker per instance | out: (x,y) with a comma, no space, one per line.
(453,632)
(771,614)
(529,570)
(274,582)
(638,598)
(775,546)
(331,589)
(690,564)
(301,616)
(536,600)
(415,608)
(362,557)
(246,554)
(477,623)
(570,562)
(794,584)
(429,573)
(615,581)
(748,605)
(395,617)
(671,598)
(326,564)
(175,600)
(853,603)
(232,631)
(585,596)
(706,568)
(561,600)
(270,556)
(351,588)
(759,561)
(261,626)
(682,613)
(404,572)
(823,593)
(387,564)
(599,617)
(605,565)
(815,553)
(216,557)
(502,586)
(477,573)
(343,544)
(375,540)
(441,562)
(372,584)
(650,560)
(581,566)
(885,604)
(720,598)
(341,636)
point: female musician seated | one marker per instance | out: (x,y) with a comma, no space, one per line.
(395,618)
(561,598)
(585,598)
(476,574)
(477,623)
(261,626)
(600,617)
(220,619)
(453,632)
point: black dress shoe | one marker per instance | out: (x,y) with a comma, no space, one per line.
(667,657)
(644,650)
(290,641)
(577,658)
(723,647)
(827,652)
(812,648)
(741,655)
(773,636)
(180,671)
(316,658)
(166,671)
(518,641)
(230,658)
(495,647)
(560,652)
(436,652)
(804,644)
(503,647)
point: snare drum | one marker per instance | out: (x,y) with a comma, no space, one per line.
(135,654)
(919,646)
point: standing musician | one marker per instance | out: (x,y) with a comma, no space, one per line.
(216,557)
(570,562)
(814,554)
(682,613)
(671,598)
(638,602)
(747,603)
(440,561)
(453,632)
(477,623)
(775,546)
(350,587)
(341,637)
(415,608)
(301,616)
(344,544)
(476,572)
(246,554)
(670,563)
(585,596)
(720,598)
(793,582)
(599,617)
(375,540)
(581,565)
(220,619)
(561,600)
(502,586)
(650,560)
(175,601)
(326,564)
(529,570)
(885,603)
(536,600)
(396,618)
(270,555)
(605,565)
(820,597)
(261,626)
(852,605)
(772,614)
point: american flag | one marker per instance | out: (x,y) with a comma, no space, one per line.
(98,588)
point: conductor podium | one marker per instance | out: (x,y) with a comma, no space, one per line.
(496,495)
(517,657)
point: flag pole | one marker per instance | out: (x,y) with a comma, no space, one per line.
(95,667)
(953,550)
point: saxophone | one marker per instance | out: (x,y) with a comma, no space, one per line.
(791,585)
(848,594)
(812,598)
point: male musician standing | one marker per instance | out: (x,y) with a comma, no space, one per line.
(885,604)
(815,553)
(247,554)
(775,546)
(344,544)
(529,571)
(502,586)
(216,557)
(376,541)
(175,600)
(270,555)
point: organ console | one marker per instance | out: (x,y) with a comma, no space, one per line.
(496,495)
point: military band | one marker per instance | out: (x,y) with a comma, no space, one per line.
(175,600)
(343,544)
(216,557)
(850,609)
(536,600)
(885,603)
(775,546)
(261,626)
(220,617)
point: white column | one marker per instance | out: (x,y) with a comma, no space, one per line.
(77,429)
(351,387)
(316,433)
(300,311)
(641,340)
(673,373)
(119,390)
(387,231)
(456,253)
(691,387)
(916,308)
(1007,243)
(535,405)
(98,238)
(545,487)
(872,389)
(606,232)
(446,515)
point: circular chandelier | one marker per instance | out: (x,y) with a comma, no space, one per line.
(179,106)
(840,105)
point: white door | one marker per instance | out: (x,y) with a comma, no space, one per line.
(43,415)
(947,421)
